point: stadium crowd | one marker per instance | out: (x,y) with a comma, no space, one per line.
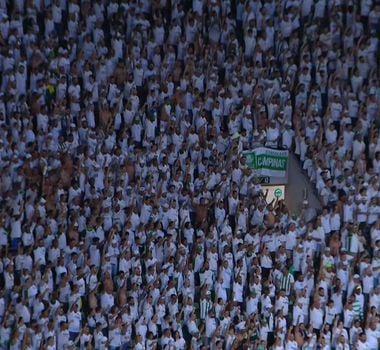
(128,216)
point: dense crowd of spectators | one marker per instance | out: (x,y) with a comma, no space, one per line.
(128,216)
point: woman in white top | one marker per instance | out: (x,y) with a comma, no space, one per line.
(15,342)
(191,325)
(338,331)
(326,334)
(179,342)
(278,344)
(230,338)
(51,344)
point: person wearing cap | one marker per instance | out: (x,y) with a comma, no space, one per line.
(287,135)
(359,301)
(327,258)
(205,305)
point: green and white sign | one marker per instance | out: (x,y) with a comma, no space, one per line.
(274,192)
(267,161)
(278,192)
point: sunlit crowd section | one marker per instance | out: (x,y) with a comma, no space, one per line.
(129,217)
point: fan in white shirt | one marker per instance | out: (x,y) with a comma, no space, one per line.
(362,343)
(372,334)
(316,316)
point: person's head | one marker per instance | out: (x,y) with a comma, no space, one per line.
(341,339)
(356,279)
(363,337)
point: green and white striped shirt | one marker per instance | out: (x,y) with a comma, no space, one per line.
(205,306)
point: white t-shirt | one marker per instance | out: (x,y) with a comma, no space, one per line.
(115,337)
(74,319)
(372,338)
(107,301)
(316,318)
